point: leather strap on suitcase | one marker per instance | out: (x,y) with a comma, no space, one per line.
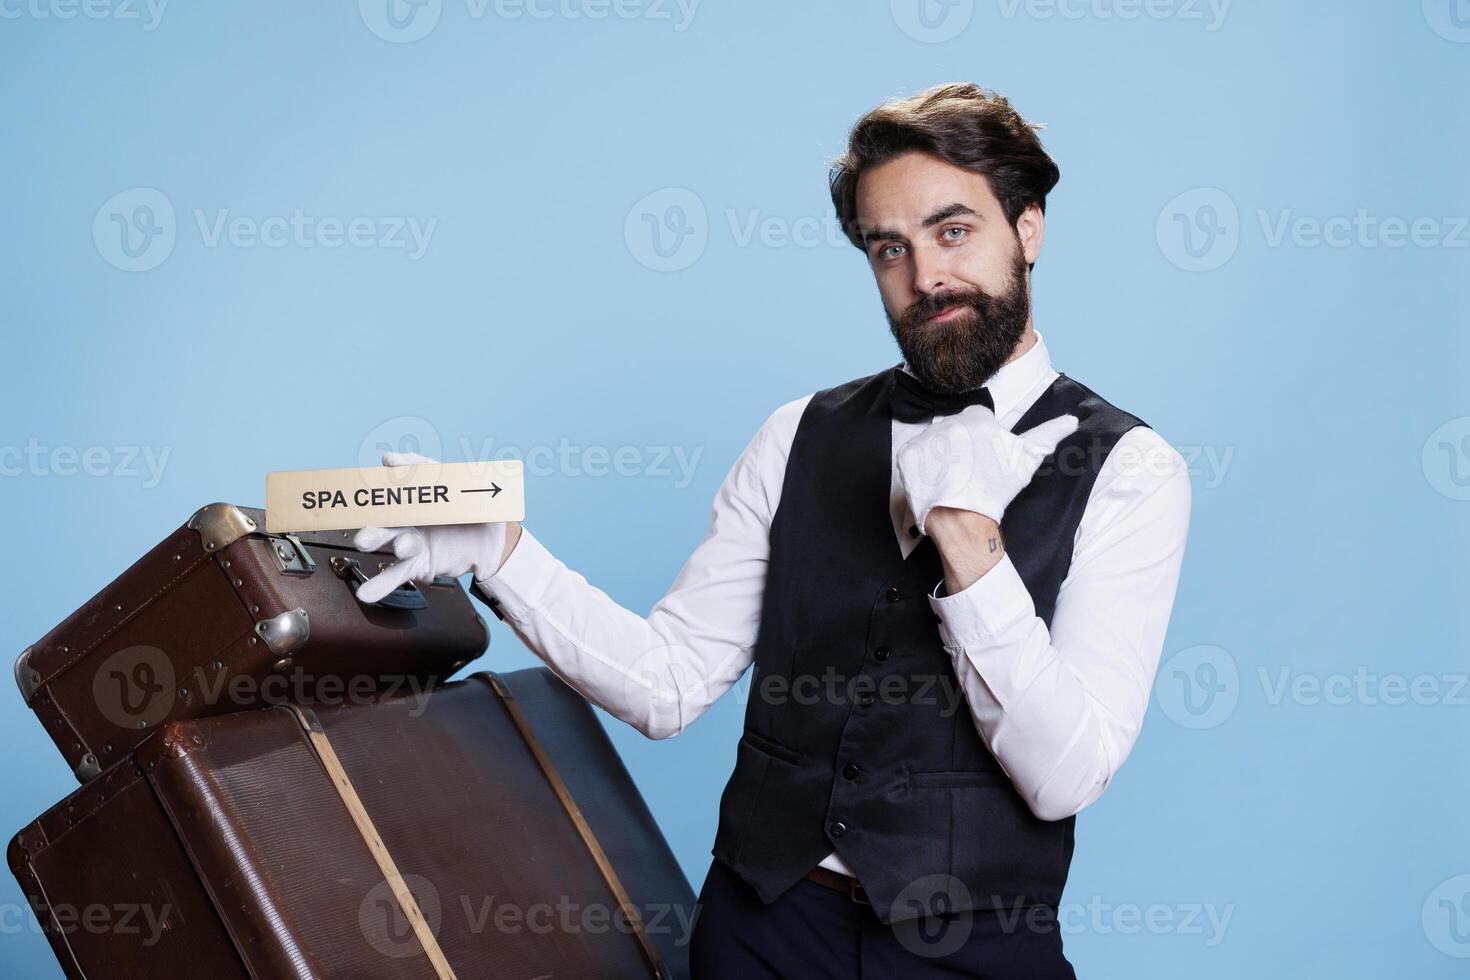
(370,836)
(609,874)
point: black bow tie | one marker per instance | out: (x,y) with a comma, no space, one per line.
(912,402)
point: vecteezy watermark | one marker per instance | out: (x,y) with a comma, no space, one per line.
(667,230)
(1362,687)
(937,21)
(1446,917)
(564,458)
(385,924)
(406,21)
(125,462)
(1450,19)
(148,13)
(932,21)
(139,687)
(941,914)
(1098,916)
(143,923)
(1198,687)
(137,230)
(1210,14)
(1446,459)
(1201,230)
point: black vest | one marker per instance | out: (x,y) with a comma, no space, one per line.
(857,736)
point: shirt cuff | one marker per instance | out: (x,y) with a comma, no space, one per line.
(993,603)
(522,581)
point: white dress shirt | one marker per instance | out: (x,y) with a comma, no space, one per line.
(1059,708)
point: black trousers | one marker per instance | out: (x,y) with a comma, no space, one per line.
(816,933)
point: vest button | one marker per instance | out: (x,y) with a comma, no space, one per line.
(865,699)
(849,771)
(881,654)
(837,829)
(893,594)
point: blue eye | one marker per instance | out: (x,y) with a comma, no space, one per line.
(954,234)
(890,251)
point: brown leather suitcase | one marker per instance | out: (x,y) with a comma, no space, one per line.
(404,839)
(221,617)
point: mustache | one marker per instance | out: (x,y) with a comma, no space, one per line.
(927,306)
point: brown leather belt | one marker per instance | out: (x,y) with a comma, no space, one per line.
(837,881)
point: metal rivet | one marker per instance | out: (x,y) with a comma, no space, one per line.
(216,665)
(183,692)
(255,609)
(140,725)
(238,583)
(118,607)
(209,546)
(225,563)
(253,641)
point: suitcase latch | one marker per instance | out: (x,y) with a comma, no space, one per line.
(406,596)
(290,554)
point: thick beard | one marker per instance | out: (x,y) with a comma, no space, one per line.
(962,354)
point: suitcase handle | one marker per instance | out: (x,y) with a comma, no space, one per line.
(406,596)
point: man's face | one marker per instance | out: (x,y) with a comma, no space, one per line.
(951,269)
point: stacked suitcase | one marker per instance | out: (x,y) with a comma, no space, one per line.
(278,781)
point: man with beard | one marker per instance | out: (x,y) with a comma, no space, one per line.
(953,579)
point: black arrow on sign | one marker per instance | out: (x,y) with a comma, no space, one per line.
(493,490)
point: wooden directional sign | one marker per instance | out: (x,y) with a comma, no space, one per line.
(395,496)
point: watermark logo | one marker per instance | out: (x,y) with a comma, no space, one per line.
(37,459)
(400,21)
(671,681)
(1210,13)
(936,931)
(147,12)
(1446,459)
(1199,231)
(134,688)
(1198,687)
(564,458)
(400,434)
(406,21)
(1450,19)
(135,230)
(667,230)
(384,922)
(932,21)
(1446,917)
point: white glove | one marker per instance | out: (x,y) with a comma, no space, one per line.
(426,552)
(969,461)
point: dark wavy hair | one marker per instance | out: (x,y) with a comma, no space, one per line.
(962,124)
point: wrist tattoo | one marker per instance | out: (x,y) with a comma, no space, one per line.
(994,543)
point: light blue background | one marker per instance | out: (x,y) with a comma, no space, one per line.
(1329,542)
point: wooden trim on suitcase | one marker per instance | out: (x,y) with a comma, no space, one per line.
(364,823)
(609,874)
